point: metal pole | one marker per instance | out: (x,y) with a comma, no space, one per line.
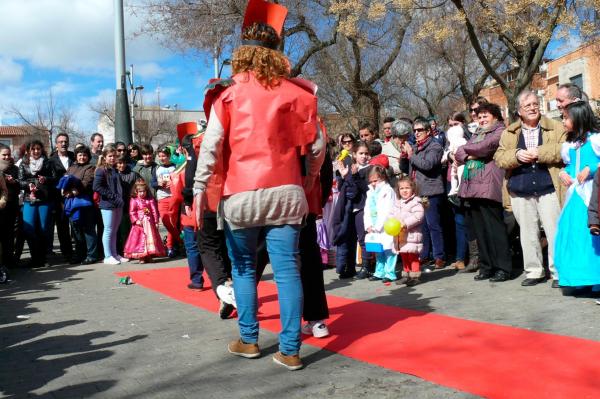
(132,94)
(122,118)
(216,63)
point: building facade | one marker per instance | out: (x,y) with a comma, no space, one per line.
(17,136)
(580,66)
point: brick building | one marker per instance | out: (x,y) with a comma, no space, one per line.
(581,67)
(16,136)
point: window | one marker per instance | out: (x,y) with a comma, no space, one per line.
(577,80)
(7,142)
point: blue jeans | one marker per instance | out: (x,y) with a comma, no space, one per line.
(36,226)
(193,255)
(111,218)
(462,242)
(84,231)
(433,237)
(282,245)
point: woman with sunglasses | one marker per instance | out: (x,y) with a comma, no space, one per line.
(134,153)
(426,164)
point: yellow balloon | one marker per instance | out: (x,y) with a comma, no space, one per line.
(392,226)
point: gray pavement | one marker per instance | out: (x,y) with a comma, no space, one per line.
(81,334)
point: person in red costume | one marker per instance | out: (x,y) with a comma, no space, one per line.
(260,121)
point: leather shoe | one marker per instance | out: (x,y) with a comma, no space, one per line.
(363,273)
(555,284)
(439,264)
(482,275)
(346,275)
(500,276)
(529,282)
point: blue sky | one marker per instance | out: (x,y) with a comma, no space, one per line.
(66,46)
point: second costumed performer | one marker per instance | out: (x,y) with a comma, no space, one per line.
(260,121)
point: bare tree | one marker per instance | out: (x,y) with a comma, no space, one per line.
(153,124)
(213,26)
(524,27)
(47,119)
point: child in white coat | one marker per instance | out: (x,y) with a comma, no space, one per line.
(378,208)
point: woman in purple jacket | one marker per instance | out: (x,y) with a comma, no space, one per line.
(481,189)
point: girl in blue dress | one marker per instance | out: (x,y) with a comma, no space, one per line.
(577,252)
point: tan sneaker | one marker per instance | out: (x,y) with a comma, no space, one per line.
(239,348)
(290,362)
(459,265)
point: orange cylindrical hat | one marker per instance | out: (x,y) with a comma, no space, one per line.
(185,129)
(265,12)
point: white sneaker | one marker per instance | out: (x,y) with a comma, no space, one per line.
(111,261)
(122,259)
(225,293)
(317,329)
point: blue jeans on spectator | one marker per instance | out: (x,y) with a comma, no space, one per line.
(282,245)
(36,224)
(462,241)
(111,218)
(433,237)
(193,255)
(84,231)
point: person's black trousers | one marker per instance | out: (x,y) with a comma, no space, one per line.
(311,273)
(486,218)
(213,251)
(8,220)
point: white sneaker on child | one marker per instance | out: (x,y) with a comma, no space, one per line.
(111,261)
(226,294)
(317,329)
(122,259)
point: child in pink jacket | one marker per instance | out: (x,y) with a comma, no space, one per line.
(408,209)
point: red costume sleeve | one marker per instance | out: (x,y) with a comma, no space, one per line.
(133,210)
(177,184)
(154,210)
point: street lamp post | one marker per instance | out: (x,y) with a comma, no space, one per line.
(226,61)
(122,117)
(132,93)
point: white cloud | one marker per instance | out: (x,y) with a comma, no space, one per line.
(151,70)
(10,71)
(74,35)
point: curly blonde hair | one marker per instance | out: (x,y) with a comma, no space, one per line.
(269,66)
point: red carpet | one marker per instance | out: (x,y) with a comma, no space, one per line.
(485,359)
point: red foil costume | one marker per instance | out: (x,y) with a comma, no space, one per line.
(263,140)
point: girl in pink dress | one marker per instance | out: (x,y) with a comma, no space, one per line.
(144,240)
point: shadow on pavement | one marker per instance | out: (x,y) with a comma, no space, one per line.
(34,354)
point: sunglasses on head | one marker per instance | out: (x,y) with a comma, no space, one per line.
(347,141)
(474,109)
(419,129)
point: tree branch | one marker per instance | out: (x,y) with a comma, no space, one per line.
(477,46)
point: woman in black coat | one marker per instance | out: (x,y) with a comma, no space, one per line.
(37,178)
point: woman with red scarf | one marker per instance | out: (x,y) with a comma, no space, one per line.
(426,167)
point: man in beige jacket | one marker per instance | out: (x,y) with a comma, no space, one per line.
(530,152)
